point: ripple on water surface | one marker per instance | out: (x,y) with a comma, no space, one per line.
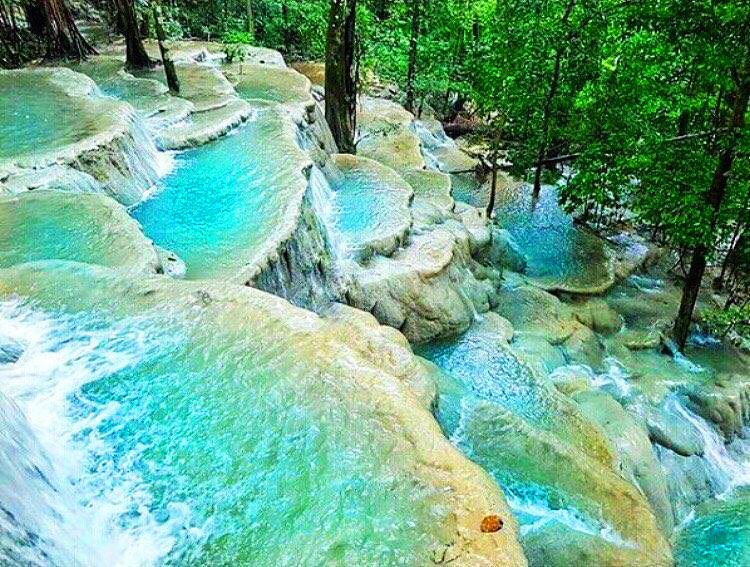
(38,116)
(718,536)
(217,440)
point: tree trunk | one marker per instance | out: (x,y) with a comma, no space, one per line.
(715,198)
(135,54)
(547,109)
(413,44)
(250,19)
(169,69)
(341,84)
(60,31)
(493,188)
(288,32)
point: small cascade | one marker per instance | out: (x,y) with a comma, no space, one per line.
(681,360)
(728,473)
(53,509)
(429,143)
(145,161)
(39,520)
(323,200)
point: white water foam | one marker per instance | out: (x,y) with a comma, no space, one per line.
(58,359)
(323,200)
(728,472)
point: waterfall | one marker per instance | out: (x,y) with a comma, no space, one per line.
(55,509)
(323,200)
(728,473)
(429,142)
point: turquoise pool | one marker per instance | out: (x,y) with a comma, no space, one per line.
(224,200)
(198,442)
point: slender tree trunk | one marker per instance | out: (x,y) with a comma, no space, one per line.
(547,109)
(411,73)
(169,68)
(60,31)
(288,35)
(493,187)
(135,54)
(250,18)
(341,84)
(715,198)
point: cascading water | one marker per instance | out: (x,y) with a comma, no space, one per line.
(727,472)
(46,497)
(323,201)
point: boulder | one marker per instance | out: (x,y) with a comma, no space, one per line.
(534,311)
(505,252)
(637,460)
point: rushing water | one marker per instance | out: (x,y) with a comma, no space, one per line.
(187,441)
(484,384)
(718,535)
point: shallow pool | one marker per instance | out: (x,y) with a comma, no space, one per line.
(373,205)
(224,200)
(559,254)
(50,225)
(38,116)
(192,441)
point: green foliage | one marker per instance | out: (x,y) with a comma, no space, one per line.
(721,322)
(235,52)
(237,37)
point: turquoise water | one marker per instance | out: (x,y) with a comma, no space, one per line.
(558,253)
(207,435)
(718,536)
(49,225)
(35,119)
(489,371)
(489,404)
(223,199)
(467,189)
(370,206)
(108,73)
(357,199)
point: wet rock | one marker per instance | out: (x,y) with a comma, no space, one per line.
(689,481)
(621,529)
(725,402)
(557,545)
(584,347)
(598,316)
(633,447)
(505,252)
(170,263)
(538,352)
(670,430)
(314,71)
(426,289)
(497,325)
(570,380)
(534,311)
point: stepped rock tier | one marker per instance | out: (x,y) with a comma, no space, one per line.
(207,316)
